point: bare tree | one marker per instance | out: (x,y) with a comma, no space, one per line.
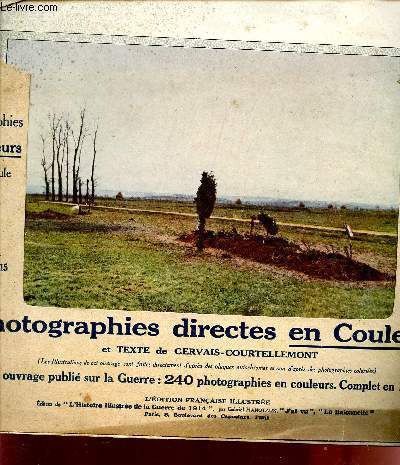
(78,144)
(79,190)
(87,192)
(60,154)
(66,159)
(54,127)
(45,168)
(67,132)
(92,179)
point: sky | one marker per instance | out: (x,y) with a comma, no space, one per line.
(268,124)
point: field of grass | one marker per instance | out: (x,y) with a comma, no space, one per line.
(374,220)
(134,262)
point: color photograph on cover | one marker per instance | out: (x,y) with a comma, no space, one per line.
(233,182)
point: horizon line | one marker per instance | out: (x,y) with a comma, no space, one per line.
(245,198)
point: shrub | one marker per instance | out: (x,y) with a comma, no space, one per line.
(205,201)
(269,223)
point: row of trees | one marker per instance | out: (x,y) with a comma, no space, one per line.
(62,150)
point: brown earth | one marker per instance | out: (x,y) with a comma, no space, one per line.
(280,252)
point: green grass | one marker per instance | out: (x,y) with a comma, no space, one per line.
(132,268)
(373,250)
(36,207)
(373,220)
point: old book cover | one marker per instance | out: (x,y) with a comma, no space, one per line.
(199,223)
